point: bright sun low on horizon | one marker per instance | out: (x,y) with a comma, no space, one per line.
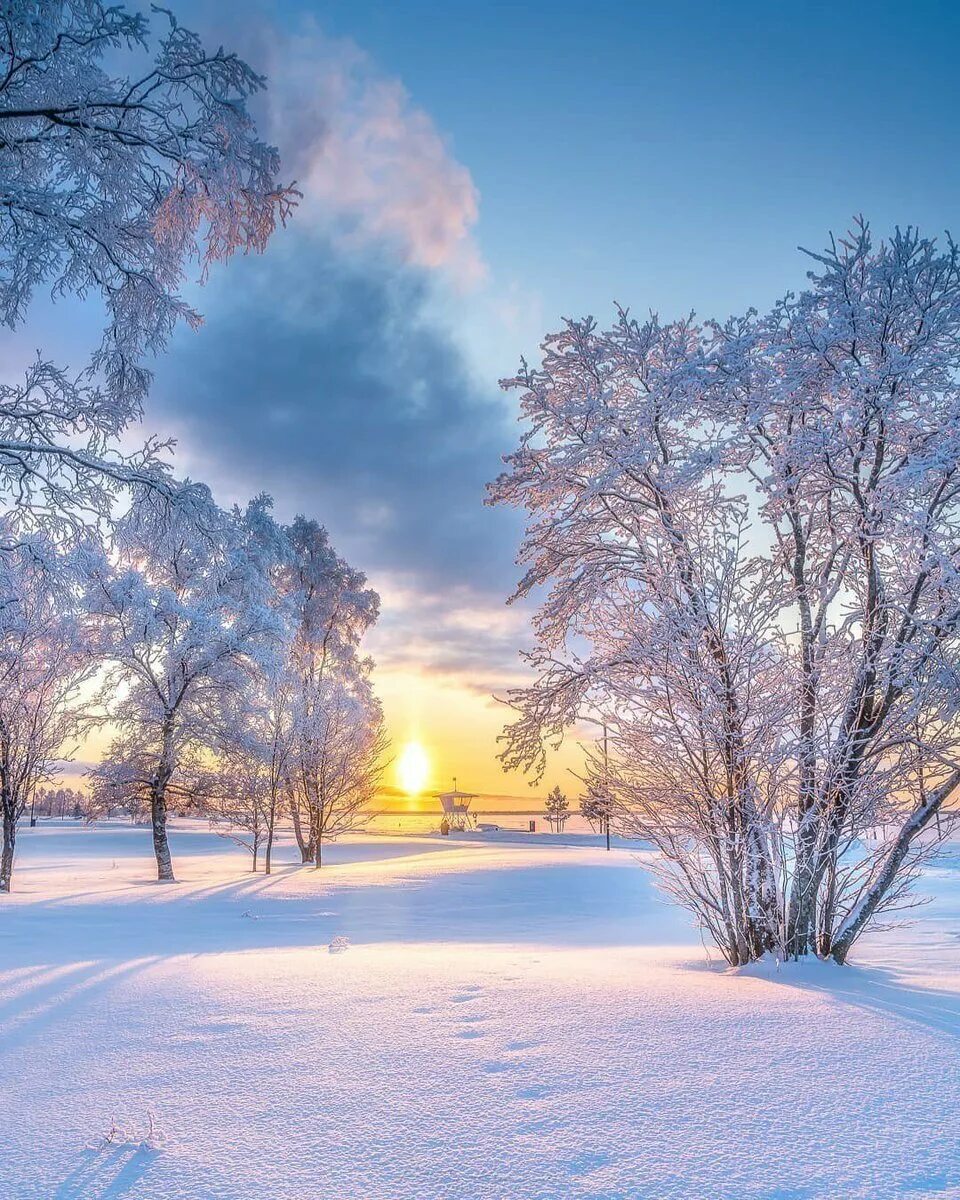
(413,768)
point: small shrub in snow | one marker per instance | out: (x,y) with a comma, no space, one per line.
(152,1138)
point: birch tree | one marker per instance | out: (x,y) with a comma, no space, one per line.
(749,534)
(184,613)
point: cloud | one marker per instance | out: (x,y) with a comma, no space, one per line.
(322,373)
(323,379)
(456,634)
(372,165)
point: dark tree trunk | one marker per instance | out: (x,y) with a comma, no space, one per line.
(9,846)
(318,853)
(307,845)
(801,908)
(827,911)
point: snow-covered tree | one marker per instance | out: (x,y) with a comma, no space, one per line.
(750,535)
(246,790)
(306,733)
(184,613)
(596,807)
(126,153)
(61,469)
(336,715)
(126,150)
(45,658)
(339,755)
(242,799)
(557,810)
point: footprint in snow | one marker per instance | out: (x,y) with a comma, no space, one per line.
(469,991)
(500,1066)
(589,1161)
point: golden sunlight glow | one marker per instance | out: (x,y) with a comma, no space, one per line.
(413,768)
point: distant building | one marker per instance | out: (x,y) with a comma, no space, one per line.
(456,809)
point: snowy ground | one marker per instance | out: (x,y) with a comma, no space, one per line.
(513,1019)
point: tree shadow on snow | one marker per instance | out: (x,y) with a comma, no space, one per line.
(883,991)
(553,903)
(107,1174)
(51,996)
(879,990)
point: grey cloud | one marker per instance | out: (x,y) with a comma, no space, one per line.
(323,380)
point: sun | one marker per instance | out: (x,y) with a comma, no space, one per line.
(413,768)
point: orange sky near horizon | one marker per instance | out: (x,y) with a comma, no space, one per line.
(458,726)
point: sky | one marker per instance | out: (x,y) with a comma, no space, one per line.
(473,173)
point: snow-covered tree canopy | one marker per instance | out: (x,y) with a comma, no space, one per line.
(60,465)
(126,150)
(126,154)
(184,613)
(337,723)
(45,656)
(750,533)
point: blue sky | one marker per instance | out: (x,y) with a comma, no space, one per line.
(674,155)
(471,173)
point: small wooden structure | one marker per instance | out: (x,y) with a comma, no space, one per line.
(456,809)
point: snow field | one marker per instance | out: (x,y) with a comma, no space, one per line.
(507,1020)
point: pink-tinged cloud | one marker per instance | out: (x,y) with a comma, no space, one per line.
(370,163)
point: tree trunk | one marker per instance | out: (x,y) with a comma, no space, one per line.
(158,803)
(318,854)
(9,845)
(827,911)
(158,818)
(306,844)
(801,907)
(856,920)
